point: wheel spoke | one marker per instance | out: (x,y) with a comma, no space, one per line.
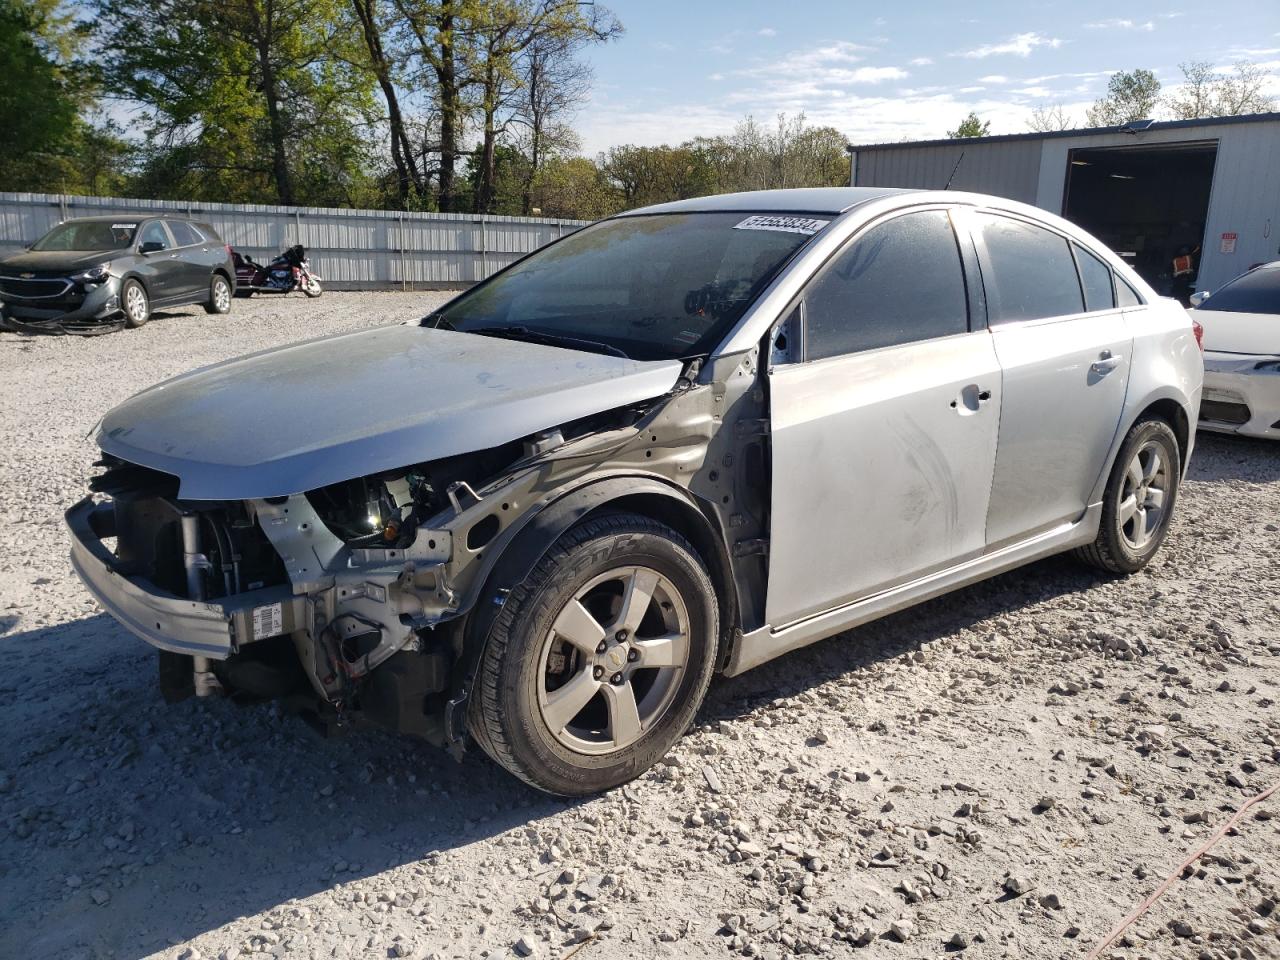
(1153,465)
(624,715)
(1134,473)
(636,599)
(577,626)
(665,651)
(1140,527)
(1127,508)
(1155,498)
(564,704)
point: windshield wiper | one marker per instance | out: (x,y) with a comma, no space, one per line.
(551,339)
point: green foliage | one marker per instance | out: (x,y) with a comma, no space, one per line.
(1130,96)
(971,126)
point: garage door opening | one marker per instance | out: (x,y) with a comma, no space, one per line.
(1149,204)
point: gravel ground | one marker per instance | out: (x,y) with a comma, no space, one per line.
(1004,772)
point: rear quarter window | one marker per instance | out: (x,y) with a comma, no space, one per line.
(1095,277)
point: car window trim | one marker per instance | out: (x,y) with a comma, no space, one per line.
(799,299)
(1111,277)
(984,260)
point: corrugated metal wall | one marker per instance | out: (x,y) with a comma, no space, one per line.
(350,249)
(1010,169)
(1245,198)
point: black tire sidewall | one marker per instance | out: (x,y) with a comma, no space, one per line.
(543,760)
(1125,557)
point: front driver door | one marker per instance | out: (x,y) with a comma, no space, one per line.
(884,432)
(158,266)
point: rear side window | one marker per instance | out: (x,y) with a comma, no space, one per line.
(899,282)
(184,235)
(1028,273)
(208,232)
(1095,276)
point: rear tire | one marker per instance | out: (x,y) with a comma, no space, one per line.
(135,303)
(219,295)
(581,687)
(1138,503)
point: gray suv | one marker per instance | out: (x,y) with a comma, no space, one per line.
(97,274)
(683,440)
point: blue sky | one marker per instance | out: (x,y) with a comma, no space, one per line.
(894,71)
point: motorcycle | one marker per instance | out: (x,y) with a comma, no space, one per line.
(286,273)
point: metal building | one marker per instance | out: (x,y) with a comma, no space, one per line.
(1173,198)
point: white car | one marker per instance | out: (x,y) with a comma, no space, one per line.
(1242,354)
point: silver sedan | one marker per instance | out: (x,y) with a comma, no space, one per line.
(682,441)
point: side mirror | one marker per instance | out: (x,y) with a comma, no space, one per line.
(151,246)
(1199,297)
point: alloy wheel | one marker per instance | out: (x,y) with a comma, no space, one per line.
(135,304)
(613,660)
(1143,495)
(221,295)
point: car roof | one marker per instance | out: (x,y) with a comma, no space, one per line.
(828,200)
(118,217)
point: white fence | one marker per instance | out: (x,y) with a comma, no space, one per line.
(350,249)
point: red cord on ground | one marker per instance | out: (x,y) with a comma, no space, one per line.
(1218,834)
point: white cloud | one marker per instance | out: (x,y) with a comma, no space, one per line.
(767,32)
(1121,24)
(993,78)
(716,76)
(921,61)
(1020,46)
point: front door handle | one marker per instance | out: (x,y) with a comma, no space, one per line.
(971,399)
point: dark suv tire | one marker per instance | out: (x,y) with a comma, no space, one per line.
(599,661)
(135,303)
(1138,503)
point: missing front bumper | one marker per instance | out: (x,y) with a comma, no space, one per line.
(204,628)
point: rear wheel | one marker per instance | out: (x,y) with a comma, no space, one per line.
(1138,503)
(600,659)
(219,295)
(136,305)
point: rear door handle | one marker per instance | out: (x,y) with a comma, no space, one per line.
(971,398)
(1105,363)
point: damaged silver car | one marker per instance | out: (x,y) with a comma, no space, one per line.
(683,440)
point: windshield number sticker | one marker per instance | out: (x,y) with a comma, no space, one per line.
(268,621)
(124,226)
(805,225)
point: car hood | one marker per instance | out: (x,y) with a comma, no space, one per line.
(1227,332)
(55,261)
(293,419)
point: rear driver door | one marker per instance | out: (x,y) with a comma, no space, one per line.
(884,428)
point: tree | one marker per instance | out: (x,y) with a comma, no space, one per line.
(1048,119)
(971,126)
(1206,93)
(573,188)
(1130,96)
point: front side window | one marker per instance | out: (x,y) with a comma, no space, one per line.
(1028,272)
(153,232)
(651,287)
(89,235)
(1095,277)
(899,282)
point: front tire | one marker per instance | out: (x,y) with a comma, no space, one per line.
(219,295)
(135,303)
(600,659)
(311,287)
(1138,503)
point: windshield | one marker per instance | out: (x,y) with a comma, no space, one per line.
(651,287)
(1257,291)
(89,235)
